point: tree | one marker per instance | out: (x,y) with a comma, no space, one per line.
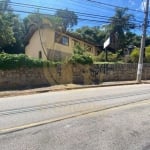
(147,41)
(32,19)
(132,39)
(6,31)
(11,30)
(69,18)
(92,34)
(18,32)
(119,24)
(38,20)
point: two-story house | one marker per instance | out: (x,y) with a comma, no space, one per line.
(47,43)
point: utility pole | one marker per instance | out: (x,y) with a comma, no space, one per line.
(140,63)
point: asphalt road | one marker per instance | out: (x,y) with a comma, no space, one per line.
(122,128)
(122,120)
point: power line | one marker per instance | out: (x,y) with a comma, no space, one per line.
(115,6)
(84,15)
(102,4)
(53,9)
(81,19)
(49,8)
(104,19)
(89,4)
(84,19)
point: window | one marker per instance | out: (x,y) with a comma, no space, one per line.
(62,39)
(40,54)
(65,40)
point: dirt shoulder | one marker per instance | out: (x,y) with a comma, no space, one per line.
(64,87)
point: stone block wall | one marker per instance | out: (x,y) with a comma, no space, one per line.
(64,74)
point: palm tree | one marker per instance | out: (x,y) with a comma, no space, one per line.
(119,24)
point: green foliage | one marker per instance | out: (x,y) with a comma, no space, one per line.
(81,59)
(119,24)
(69,18)
(11,30)
(112,57)
(93,34)
(80,56)
(135,55)
(100,57)
(127,59)
(147,54)
(148,57)
(78,50)
(19,32)
(6,31)
(38,20)
(132,39)
(14,61)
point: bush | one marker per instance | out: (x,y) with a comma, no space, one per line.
(100,57)
(112,57)
(127,59)
(135,55)
(78,50)
(81,59)
(147,54)
(80,56)
(13,61)
(148,57)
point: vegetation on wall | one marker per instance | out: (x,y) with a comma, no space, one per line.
(14,61)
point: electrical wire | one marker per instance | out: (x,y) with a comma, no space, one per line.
(82,16)
(53,10)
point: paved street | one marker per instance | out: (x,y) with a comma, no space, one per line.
(121,120)
(124,128)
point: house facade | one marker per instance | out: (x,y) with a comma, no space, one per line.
(47,43)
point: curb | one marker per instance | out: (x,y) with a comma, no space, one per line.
(23,92)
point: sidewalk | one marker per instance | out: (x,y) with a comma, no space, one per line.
(65,87)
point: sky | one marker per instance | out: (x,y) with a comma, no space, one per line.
(86,7)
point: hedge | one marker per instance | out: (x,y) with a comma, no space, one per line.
(14,61)
(81,59)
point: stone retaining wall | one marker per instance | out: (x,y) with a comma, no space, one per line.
(64,74)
